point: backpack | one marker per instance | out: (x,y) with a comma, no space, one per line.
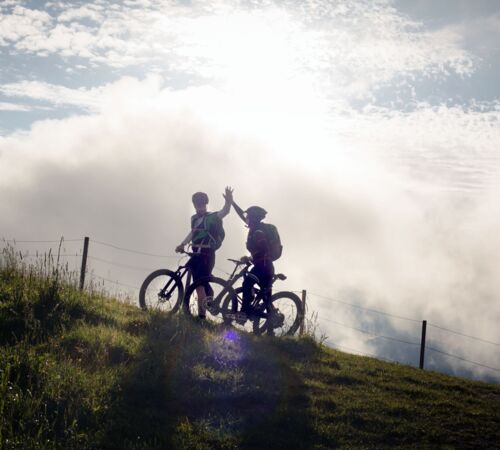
(209,231)
(273,237)
(216,230)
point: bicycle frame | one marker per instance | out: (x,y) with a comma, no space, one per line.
(234,277)
(180,273)
(170,286)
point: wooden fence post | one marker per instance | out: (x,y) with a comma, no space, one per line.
(422,344)
(84,262)
(302,322)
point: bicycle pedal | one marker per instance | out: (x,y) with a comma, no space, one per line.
(259,313)
(277,320)
(241,318)
(211,305)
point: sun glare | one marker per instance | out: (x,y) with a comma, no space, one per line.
(245,47)
(256,61)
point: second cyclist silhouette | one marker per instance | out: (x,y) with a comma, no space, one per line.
(264,245)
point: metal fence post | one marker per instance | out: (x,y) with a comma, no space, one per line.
(84,262)
(302,322)
(422,344)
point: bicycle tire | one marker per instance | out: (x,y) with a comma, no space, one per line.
(150,291)
(220,289)
(292,315)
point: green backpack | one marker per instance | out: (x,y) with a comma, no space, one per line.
(209,231)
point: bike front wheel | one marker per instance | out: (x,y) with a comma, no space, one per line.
(284,316)
(161,290)
(205,297)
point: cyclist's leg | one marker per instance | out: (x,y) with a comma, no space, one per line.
(248,283)
(205,265)
(196,264)
(266,273)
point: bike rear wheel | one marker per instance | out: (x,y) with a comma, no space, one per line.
(284,316)
(216,290)
(162,290)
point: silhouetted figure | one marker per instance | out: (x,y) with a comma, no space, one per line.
(206,237)
(264,245)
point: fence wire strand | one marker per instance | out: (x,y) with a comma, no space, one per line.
(126,266)
(403,318)
(462,334)
(461,358)
(138,252)
(353,305)
(117,282)
(15,241)
(369,332)
(371,355)
(54,255)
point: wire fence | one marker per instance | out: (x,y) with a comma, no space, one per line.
(105,264)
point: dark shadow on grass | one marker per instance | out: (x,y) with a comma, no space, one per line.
(200,386)
(139,416)
(239,391)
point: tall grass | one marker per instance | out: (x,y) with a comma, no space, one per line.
(58,354)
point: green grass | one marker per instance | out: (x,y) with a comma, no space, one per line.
(83,371)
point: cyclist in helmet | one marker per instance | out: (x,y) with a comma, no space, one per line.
(206,236)
(258,244)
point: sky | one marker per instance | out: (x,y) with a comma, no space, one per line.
(369,130)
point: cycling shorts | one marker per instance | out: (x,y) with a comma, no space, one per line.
(201,264)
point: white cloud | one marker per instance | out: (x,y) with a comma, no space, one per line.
(14,107)
(480,34)
(23,23)
(368,42)
(90,11)
(9,3)
(445,147)
(88,99)
(105,97)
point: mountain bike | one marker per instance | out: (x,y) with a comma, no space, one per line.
(164,289)
(281,317)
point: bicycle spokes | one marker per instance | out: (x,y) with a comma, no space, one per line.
(167,291)
(162,290)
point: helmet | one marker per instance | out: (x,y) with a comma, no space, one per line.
(256,212)
(200,198)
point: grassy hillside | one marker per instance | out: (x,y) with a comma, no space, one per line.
(82,371)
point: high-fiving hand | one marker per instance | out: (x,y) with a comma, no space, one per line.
(228,194)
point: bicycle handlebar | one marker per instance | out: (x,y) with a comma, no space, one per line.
(248,262)
(187,253)
(239,262)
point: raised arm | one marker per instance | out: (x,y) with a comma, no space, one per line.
(228,196)
(239,211)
